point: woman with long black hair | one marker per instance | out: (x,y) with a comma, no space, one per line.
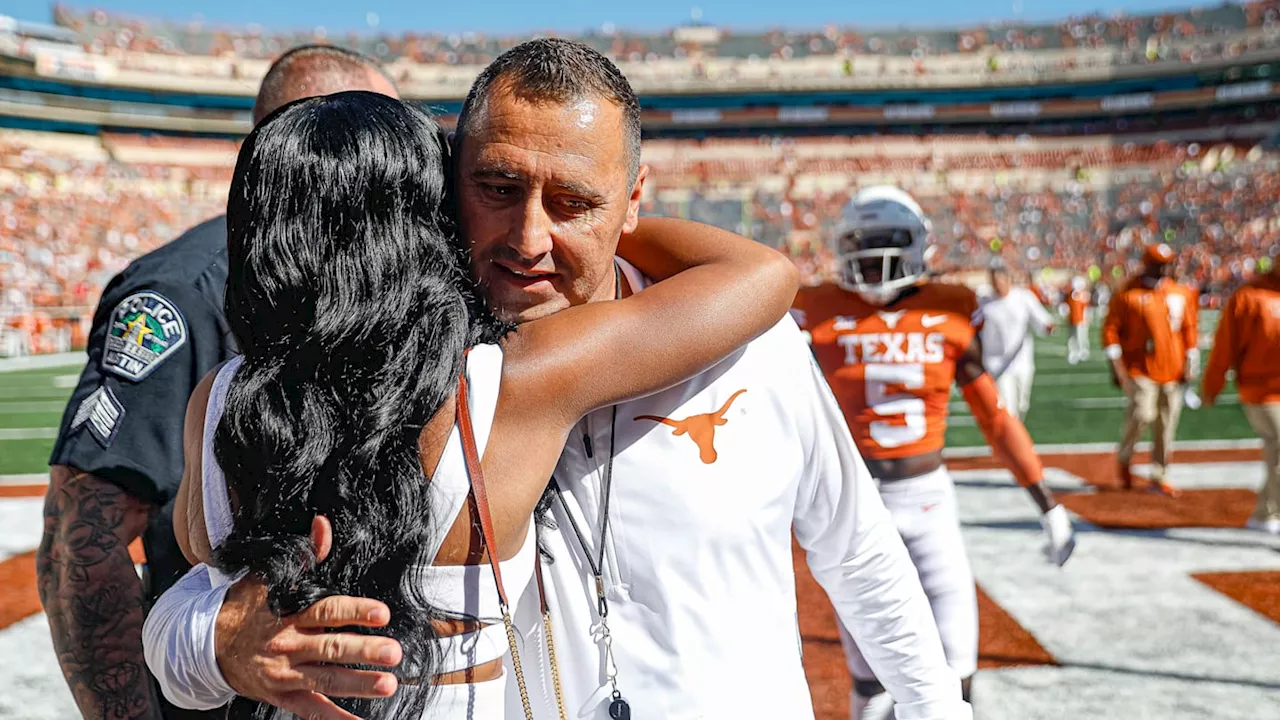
(328,459)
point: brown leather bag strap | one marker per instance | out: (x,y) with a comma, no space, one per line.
(479,494)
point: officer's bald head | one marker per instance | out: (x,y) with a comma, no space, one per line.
(310,70)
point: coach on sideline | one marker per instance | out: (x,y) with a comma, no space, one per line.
(118,458)
(691,559)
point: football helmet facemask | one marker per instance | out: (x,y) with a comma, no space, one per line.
(881,244)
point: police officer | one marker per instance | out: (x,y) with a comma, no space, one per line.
(118,460)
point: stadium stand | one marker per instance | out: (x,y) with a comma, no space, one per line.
(1070,183)
(122,50)
(74,210)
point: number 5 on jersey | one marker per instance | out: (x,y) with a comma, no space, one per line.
(911,408)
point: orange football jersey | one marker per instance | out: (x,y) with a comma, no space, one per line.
(1154,327)
(1248,339)
(891,368)
(1077,302)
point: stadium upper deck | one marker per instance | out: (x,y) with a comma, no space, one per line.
(94,70)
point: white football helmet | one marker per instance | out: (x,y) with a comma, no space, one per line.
(886,224)
(1079,284)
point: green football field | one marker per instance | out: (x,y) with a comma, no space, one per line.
(1070,404)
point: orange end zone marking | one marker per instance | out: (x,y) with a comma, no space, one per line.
(1002,642)
(23,491)
(1099,469)
(19,600)
(1140,510)
(1257,590)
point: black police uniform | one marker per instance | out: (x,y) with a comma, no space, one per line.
(158,329)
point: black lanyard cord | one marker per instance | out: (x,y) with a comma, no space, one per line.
(606,484)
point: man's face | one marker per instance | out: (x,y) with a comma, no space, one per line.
(543,198)
(1155,272)
(1000,281)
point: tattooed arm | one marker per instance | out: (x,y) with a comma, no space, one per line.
(92,594)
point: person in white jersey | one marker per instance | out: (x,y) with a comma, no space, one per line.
(1010,315)
(668,533)
(334,432)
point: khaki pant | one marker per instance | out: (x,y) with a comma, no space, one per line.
(1265,419)
(1151,402)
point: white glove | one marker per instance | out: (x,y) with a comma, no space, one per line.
(1060,537)
(1191,399)
(1193,364)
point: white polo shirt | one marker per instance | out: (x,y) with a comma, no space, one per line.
(698,566)
(1008,322)
(699,571)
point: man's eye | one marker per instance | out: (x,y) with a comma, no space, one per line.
(497,189)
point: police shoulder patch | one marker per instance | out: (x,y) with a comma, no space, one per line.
(143,331)
(102,412)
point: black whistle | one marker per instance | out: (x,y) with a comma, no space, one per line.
(619,709)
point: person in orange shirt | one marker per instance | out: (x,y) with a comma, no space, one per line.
(1248,341)
(891,344)
(1077,314)
(1150,338)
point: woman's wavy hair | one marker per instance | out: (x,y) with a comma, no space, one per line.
(350,300)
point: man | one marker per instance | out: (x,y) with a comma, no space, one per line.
(1008,352)
(1248,341)
(891,344)
(118,459)
(1150,340)
(1078,316)
(670,576)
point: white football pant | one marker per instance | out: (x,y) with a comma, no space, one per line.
(924,510)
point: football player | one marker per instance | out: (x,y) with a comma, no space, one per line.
(1077,310)
(891,344)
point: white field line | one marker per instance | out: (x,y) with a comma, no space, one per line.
(38,362)
(1109,447)
(32,479)
(32,408)
(1089,403)
(43,433)
(1061,379)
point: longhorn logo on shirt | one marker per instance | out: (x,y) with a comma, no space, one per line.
(700,428)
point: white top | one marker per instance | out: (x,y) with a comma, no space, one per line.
(698,564)
(1007,345)
(178,635)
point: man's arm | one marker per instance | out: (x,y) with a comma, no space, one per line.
(206,643)
(857,556)
(1041,321)
(1191,334)
(1225,352)
(1011,445)
(1111,331)
(92,595)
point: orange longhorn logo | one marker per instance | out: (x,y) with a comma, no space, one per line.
(700,428)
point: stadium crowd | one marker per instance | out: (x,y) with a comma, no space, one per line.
(1189,35)
(70,219)
(74,215)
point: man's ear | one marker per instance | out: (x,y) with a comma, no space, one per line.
(633,203)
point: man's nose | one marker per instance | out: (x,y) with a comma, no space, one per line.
(534,238)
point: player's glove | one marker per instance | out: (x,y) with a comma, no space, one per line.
(1060,537)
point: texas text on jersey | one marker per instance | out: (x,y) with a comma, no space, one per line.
(892,367)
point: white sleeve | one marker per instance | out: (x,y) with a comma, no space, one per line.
(857,556)
(178,642)
(1041,320)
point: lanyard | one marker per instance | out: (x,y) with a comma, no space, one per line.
(619,708)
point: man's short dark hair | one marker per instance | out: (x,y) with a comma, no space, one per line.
(559,71)
(325,68)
